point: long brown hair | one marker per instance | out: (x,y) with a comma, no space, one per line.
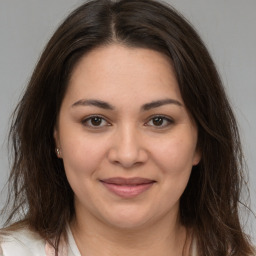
(40,195)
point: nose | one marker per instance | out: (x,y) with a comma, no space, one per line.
(127,148)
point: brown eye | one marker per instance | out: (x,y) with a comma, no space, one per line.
(160,122)
(95,122)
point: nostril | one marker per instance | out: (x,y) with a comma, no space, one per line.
(127,158)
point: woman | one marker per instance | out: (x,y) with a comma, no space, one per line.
(124,142)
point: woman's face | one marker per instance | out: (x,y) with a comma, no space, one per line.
(126,139)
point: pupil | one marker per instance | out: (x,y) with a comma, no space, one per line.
(96,121)
(158,121)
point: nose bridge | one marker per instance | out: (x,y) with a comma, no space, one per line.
(128,139)
(127,148)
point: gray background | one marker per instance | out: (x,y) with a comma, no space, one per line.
(228,28)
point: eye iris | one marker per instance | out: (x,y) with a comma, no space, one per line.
(158,121)
(96,121)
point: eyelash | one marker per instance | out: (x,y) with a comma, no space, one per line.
(89,119)
(167,122)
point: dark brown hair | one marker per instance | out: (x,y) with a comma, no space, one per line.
(38,185)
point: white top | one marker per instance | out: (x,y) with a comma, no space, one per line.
(28,243)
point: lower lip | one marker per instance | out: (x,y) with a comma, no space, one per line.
(127,191)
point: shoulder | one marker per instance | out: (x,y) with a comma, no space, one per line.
(22,242)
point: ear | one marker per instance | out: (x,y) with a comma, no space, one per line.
(56,136)
(57,142)
(197,157)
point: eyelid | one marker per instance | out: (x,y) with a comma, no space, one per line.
(88,118)
(168,119)
(164,117)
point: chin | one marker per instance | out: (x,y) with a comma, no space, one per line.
(128,220)
(128,224)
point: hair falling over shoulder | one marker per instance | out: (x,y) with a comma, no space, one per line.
(39,193)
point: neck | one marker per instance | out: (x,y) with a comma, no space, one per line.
(95,238)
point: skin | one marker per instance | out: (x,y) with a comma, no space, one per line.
(126,141)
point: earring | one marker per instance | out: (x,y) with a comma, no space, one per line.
(58,152)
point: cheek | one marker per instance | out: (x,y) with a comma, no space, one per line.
(81,160)
(175,160)
(81,156)
(175,156)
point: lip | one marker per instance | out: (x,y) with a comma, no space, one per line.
(127,188)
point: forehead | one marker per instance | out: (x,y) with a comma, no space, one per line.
(117,71)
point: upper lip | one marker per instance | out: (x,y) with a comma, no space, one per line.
(127,181)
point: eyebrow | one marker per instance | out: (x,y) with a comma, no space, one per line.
(92,102)
(159,103)
(107,106)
